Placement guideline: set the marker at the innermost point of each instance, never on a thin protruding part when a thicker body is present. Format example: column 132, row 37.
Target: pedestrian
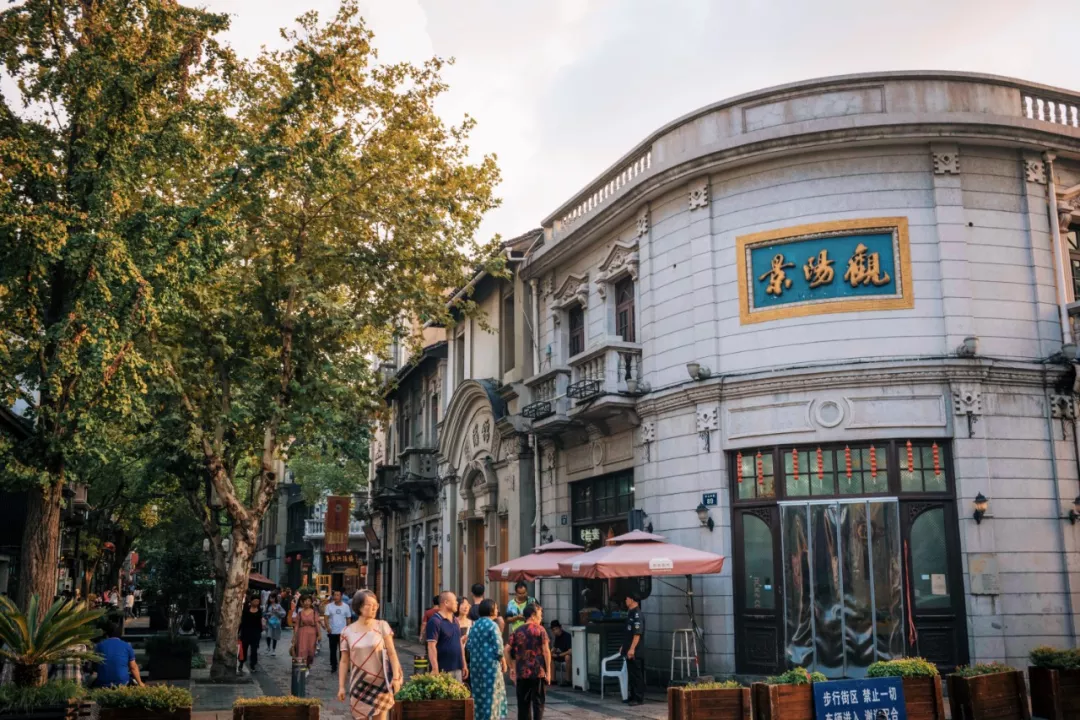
column 561, row 652
column 305, row 632
column 464, row 621
column 477, row 591
column 635, row 651
column 517, row 605
column 336, row 619
column 531, row 671
column 287, row 603
column 427, row 616
column 444, row 648
column 274, row 615
column 488, row 663
column 371, row 670
column 117, row 666
column 129, row 605
column 252, row 624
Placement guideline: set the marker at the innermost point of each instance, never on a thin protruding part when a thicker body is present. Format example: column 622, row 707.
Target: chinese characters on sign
column 868, row 699
column 844, row 266
column 341, row 558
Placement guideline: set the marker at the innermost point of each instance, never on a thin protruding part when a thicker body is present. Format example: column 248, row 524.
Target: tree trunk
column 28, row 675
column 232, row 601
column 41, row 545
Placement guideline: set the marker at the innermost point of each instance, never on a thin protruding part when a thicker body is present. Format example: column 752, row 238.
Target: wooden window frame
column 626, row 330
column 575, row 348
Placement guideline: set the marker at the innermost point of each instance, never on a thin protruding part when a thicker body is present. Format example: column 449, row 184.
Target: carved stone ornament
column 549, row 460
column 621, row 260
column 1035, row 171
column 547, row 285
column 707, row 420
column 597, row 453
column 946, row 163
column 475, row 434
column 574, row 289
column 486, row 432
column 1063, row 407
column 699, row 194
column 648, row 432
column 1067, row 210
column 967, row 400
column 642, row 225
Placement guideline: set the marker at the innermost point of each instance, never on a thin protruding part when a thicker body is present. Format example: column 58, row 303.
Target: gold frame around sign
column 905, row 301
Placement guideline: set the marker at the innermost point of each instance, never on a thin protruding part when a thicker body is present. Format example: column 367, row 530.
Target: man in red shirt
column 530, row 670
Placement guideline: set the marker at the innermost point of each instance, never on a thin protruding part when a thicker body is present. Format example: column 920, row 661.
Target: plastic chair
column 621, row 674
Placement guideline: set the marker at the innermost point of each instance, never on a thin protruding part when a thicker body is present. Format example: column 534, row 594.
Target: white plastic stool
column 621, row 674
column 683, row 652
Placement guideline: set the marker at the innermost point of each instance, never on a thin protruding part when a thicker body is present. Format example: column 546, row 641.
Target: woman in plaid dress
column 373, row 673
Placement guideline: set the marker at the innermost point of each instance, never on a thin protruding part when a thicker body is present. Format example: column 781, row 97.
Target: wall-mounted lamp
column 697, row 371
column 703, row 516
column 969, row 348
column 1074, row 514
column 981, row 504
column 545, row 535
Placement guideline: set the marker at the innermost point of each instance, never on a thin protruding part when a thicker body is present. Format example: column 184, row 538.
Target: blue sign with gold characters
column 844, row 266
column 868, row 699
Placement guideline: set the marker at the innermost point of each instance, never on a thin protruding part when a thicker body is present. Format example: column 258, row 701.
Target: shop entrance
column 843, row 592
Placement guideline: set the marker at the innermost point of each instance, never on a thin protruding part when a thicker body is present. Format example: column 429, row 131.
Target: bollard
column 299, row 677
column 420, row 666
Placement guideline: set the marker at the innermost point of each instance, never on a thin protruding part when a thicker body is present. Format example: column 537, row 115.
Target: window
column 758, row 564
column 576, row 321
column 433, row 416
column 507, row 332
column 754, row 474
column 929, row 560
column 921, row 468
column 406, row 427
column 599, row 509
column 1072, row 241
column 624, row 310
column 459, row 358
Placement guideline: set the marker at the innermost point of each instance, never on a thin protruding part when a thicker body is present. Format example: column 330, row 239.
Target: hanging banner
column 337, row 524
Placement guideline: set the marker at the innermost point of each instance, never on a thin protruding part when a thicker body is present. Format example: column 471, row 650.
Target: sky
column 561, row 89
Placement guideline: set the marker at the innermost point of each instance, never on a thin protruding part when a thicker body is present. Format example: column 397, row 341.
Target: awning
column 261, row 582
column 640, row 554
column 542, row 562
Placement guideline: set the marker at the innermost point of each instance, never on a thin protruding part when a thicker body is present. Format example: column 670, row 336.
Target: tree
column 363, row 215
column 109, row 185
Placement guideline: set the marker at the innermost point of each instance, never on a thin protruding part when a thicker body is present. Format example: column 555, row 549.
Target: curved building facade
column 807, row 328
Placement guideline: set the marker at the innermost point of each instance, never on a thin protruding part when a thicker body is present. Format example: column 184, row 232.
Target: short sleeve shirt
column 446, row 634
column 635, row 625
column 337, row 617
column 564, row 642
column 527, row 648
column 113, row 669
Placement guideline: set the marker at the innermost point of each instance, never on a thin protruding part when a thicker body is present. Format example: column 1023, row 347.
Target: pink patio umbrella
column 640, row 554
column 542, row 562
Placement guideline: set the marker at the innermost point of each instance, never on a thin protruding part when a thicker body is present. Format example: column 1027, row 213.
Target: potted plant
column 1055, row 683
column 988, row 690
column 148, row 702
column 786, row 696
column 721, row 700
column 64, row 634
column 922, row 685
column 433, row 697
column 287, row 707
column 169, row 656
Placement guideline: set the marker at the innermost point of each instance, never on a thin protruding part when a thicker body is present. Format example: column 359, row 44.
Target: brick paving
column 273, row 677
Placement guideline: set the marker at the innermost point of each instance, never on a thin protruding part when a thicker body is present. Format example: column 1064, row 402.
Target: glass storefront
column 599, row 508
column 845, row 555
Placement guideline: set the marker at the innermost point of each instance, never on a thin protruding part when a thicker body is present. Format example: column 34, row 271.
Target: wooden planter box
column 276, row 712
column 922, row 698
column 141, row 714
column 433, row 710
column 782, row 702
column 686, row 704
column 999, row 696
column 74, row 710
column 1055, row 694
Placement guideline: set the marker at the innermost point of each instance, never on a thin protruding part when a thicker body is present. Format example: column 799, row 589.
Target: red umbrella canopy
column 542, row 562
column 640, row 554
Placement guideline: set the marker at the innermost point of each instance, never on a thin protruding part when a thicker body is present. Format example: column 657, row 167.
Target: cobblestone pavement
column 273, row 677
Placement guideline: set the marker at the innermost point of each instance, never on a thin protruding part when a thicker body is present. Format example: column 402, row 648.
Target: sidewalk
column 274, row 676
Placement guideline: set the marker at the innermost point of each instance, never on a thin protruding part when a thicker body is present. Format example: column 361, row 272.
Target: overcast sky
column 563, row 88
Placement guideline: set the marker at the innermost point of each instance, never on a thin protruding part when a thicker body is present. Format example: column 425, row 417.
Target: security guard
column 635, row 651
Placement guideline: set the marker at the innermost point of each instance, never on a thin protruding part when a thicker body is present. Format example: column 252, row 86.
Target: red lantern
column 760, row 469
column 820, row 466
column 738, row 467
column 110, row 547
column 873, row 463
column 288, row 559
column 910, row 458
column 937, row 461
column 297, row 557
column 847, row 461
column 795, row 463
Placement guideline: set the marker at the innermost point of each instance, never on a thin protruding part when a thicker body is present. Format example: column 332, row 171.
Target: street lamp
column 703, row 516
column 981, row 504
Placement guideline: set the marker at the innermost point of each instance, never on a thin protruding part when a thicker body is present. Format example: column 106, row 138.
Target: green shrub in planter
column 715, row 685
column 991, row 690
column 433, row 686
column 1055, row 682
column 903, row 667
column 19, row 700
column 1050, row 658
column 281, row 701
column 922, row 685
column 968, row 671
column 727, row 700
column 795, row 676
column 158, row 698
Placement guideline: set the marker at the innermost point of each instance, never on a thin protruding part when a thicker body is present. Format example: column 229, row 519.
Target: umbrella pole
column 693, row 617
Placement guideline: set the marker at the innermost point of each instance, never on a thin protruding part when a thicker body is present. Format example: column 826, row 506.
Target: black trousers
column 531, row 694
column 251, row 651
column 635, row 676
column 335, row 650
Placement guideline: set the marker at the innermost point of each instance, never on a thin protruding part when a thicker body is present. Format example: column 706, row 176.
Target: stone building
column 808, row 328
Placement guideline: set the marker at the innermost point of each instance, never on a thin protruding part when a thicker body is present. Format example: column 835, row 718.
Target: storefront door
column 843, row 592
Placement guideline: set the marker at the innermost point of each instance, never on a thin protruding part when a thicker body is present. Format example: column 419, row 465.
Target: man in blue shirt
column 118, row 665
column 443, row 638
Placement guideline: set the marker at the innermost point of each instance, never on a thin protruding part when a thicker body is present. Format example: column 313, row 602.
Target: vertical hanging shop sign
column 337, row 524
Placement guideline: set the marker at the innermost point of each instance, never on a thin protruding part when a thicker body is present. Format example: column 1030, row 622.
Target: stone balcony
column 316, row 529
column 549, row 410
column 418, row 474
column 604, row 384
column 386, row 492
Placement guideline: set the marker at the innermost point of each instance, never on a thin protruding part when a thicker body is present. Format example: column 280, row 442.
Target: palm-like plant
column 63, row 634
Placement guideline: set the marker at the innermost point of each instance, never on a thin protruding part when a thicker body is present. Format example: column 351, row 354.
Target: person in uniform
column 633, row 650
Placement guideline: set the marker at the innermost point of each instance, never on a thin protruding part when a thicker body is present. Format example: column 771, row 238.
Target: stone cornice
column 870, row 375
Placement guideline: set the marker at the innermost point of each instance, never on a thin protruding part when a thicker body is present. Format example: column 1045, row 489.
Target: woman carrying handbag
column 372, row 674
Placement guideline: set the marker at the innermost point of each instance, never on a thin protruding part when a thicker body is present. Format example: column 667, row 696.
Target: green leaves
column 64, row 633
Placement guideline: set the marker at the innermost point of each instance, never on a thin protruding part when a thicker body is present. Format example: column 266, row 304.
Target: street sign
column 867, row 699
column 708, row 499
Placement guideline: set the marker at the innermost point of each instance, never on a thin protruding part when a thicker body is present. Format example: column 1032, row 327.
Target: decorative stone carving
column 549, row 460
column 621, row 260
column 597, row 453
column 828, row 413
column 642, row 225
column 486, row 432
column 547, row 287
column 648, row 437
column 946, row 163
column 475, row 434
column 707, row 422
column 574, row 289
column 1035, row 171
column 1066, row 210
column 967, row 400
column 699, row 194
column 1063, row 407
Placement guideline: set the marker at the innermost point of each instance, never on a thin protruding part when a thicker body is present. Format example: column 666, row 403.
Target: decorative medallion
column 597, row 453
column 1035, row 171
column 946, row 163
column 967, row 400
column 642, row 224
column 828, row 413
column 699, row 194
column 1063, row 407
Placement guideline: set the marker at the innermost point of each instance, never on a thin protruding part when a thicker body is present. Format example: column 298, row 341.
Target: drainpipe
column 537, row 479
column 1060, row 263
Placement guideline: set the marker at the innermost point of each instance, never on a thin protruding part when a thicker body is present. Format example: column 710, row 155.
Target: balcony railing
column 609, row 369
column 316, row 529
column 548, row 393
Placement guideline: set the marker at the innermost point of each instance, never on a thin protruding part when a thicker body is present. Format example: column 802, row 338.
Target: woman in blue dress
column 487, row 664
